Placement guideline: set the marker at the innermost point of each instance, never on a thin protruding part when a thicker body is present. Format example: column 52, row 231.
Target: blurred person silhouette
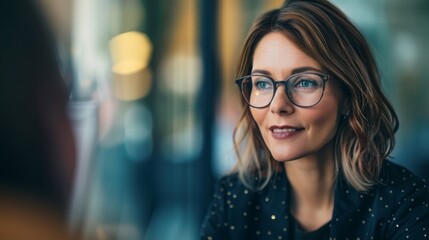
column 37, row 148
column 315, row 137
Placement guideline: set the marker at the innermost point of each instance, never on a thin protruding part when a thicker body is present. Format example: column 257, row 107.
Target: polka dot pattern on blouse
column 395, row 208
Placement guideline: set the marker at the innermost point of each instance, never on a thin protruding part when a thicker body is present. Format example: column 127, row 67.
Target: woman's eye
column 263, row 84
column 306, row 84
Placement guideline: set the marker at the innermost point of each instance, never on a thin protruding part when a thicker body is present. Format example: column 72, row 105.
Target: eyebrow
column 305, row 69
column 294, row 71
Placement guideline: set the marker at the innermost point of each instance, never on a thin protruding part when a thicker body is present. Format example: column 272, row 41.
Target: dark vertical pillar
column 208, row 95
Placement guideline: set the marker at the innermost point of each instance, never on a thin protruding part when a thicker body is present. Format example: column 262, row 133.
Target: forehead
column 278, row 54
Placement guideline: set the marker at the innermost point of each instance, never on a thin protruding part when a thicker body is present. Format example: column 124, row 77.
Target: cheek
column 326, row 113
column 258, row 115
column 324, row 120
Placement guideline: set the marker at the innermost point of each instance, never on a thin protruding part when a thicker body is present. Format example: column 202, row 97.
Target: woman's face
column 292, row 132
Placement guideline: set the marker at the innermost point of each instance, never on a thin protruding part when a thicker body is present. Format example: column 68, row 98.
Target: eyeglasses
column 303, row 89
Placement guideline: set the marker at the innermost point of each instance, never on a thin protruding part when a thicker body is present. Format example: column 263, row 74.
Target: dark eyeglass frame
column 325, row 77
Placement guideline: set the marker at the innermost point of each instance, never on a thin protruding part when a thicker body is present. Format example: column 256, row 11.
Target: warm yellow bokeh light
column 131, row 52
column 128, row 67
column 133, row 86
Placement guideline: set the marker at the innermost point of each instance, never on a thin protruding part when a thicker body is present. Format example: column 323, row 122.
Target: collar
column 346, row 200
column 346, row 197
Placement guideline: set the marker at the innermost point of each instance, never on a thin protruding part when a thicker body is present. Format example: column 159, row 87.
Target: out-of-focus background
column 153, row 102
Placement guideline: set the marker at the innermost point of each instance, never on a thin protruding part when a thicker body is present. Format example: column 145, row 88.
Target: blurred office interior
column 153, row 101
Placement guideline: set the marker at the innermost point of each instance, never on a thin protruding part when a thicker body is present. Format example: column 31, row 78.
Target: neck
column 312, row 179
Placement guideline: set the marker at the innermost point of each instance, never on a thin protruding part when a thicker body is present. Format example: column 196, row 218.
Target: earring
column 346, row 115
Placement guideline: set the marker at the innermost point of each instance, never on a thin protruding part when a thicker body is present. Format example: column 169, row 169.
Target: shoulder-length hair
column 366, row 136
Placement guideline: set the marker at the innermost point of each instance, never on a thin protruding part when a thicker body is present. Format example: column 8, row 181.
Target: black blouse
column 395, row 208
column 298, row 234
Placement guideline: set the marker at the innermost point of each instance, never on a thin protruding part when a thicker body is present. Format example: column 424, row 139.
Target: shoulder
column 229, row 198
column 238, row 198
column 229, row 180
column 237, row 208
column 399, row 185
column 405, row 197
column 233, row 186
column 400, row 180
column 230, row 187
column 396, row 207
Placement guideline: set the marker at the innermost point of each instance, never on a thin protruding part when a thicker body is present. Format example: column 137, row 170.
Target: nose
column 281, row 103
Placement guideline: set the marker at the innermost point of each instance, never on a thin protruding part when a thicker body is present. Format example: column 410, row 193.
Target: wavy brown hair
column 366, row 136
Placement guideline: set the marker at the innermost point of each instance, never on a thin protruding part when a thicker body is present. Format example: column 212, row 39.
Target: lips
column 284, row 132
column 284, row 128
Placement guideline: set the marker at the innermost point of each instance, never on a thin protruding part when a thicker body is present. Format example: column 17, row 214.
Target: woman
column 314, row 137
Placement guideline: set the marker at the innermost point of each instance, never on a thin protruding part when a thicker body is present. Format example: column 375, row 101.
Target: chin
column 282, row 157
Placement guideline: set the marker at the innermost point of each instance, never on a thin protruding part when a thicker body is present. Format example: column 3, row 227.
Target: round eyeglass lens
column 305, row 89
